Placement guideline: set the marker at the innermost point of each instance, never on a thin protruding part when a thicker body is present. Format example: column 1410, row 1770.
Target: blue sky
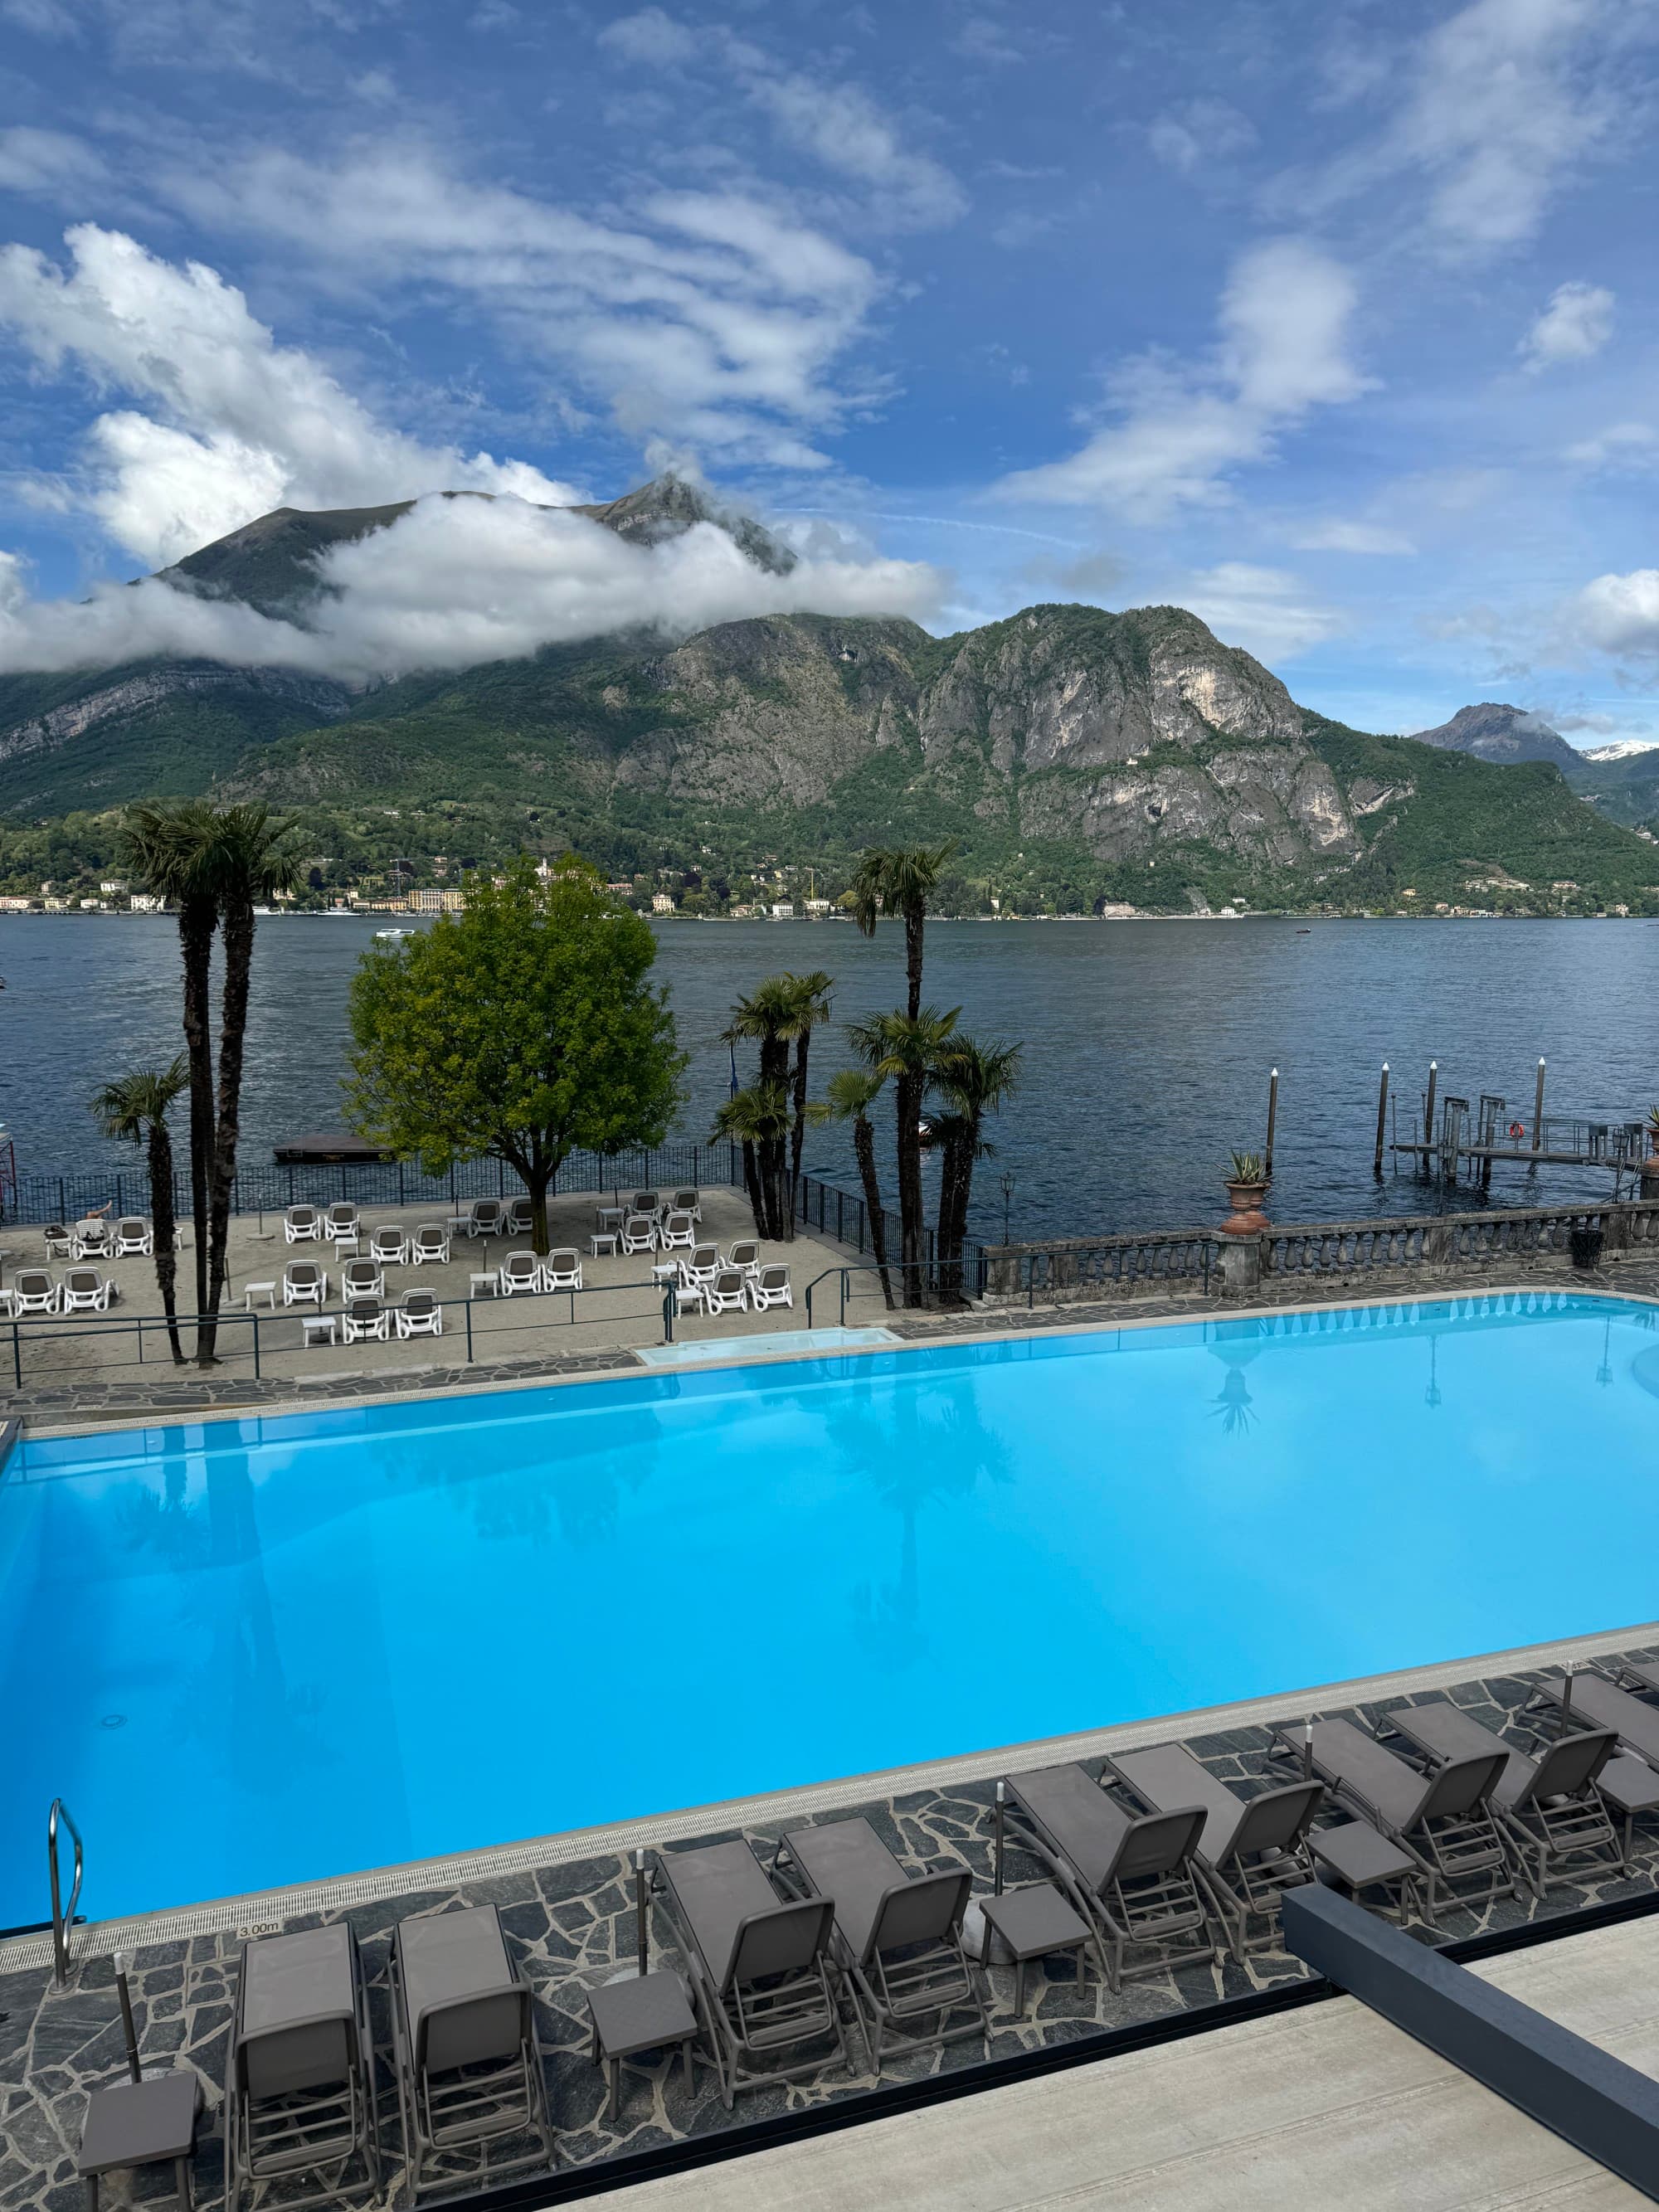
column 1335, row 323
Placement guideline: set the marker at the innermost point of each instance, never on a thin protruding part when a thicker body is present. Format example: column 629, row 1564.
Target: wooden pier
column 1464, row 1142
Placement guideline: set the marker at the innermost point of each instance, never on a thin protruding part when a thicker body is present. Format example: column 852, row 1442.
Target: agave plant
column 1248, row 1168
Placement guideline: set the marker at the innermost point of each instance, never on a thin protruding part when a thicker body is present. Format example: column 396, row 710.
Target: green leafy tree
column 905, row 1051
column 134, row 1109
column 972, row 1080
column 849, row 1095
column 215, row 863
column 522, row 1028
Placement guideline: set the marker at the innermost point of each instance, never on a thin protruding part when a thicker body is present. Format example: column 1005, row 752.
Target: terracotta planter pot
column 1247, row 1218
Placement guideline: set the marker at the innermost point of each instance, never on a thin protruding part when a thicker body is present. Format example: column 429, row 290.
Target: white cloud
column 1266, row 611
column 1617, row 614
column 982, row 39
column 240, row 424
column 652, row 39
column 1577, row 323
column 1199, row 132
column 712, row 318
column 1335, row 535
column 1623, row 444
column 33, row 160
column 1283, row 351
column 452, row 583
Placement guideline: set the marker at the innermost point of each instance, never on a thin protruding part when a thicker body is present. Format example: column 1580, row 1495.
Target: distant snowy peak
column 1621, row 749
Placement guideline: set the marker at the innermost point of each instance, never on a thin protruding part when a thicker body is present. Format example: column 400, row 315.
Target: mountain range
column 1077, row 756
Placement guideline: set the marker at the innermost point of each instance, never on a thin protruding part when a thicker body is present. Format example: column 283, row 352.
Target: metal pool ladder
column 62, row 1923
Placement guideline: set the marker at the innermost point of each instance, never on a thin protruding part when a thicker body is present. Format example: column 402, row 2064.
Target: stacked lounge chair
column 1549, row 1807
column 300, row 2074
column 897, row 1936
column 763, row 1973
column 1443, row 1820
column 1131, row 1877
column 1594, row 1699
column 1250, row 1851
column 470, row 2085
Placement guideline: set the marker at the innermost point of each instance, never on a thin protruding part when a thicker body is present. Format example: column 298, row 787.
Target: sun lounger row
column 36, row 1290
column 95, row 1238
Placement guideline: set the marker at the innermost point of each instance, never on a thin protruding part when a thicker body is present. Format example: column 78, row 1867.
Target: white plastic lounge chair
column 304, row 1283
column 520, row 1270
column 60, row 1242
column 769, row 1286
column 562, row 1271
column 94, row 1239
column 744, row 1256
column 388, row 1247
column 700, row 1267
column 647, row 1201
column 133, row 1238
column 364, row 1322
column 34, row 1291
column 85, row 1291
column 341, row 1219
column 686, row 1202
column 302, row 1225
column 638, row 1233
column 420, row 1315
column 488, row 1218
column 678, row 1232
column 431, row 1245
column 726, row 1294
column 361, row 1279
column 520, row 1217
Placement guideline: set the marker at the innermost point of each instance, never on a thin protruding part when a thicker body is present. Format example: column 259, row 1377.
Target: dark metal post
column 1566, row 1699
column 668, row 1315
column 1382, row 1122
column 1007, row 1200
column 255, row 1318
column 1538, row 1110
column 997, row 1819
column 469, row 1332
column 1307, row 1751
column 1428, row 1117
column 1273, row 1120
column 127, row 2028
column 642, row 1937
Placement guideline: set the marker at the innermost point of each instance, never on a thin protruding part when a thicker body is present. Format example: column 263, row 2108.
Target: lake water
column 1147, row 1044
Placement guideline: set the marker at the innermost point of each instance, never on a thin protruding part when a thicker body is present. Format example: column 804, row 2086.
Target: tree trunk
column 233, row 1035
column 964, row 1198
column 914, row 916
column 909, row 1090
column 197, row 920
column 775, row 1169
column 539, row 1175
column 160, row 1212
column 952, row 1174
column 751, row 1183
column 797, row 1134
column 864, row 1147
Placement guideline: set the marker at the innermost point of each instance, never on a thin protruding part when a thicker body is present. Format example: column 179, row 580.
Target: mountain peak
column 1493, row 731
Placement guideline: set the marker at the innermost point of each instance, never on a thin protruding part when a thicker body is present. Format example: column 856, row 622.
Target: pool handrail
column 62, row 1923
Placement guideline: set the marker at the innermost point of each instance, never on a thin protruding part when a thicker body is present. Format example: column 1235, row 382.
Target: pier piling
column 1381, row 1121
column 1273, row 1118
column 1428, row 1118
column 1538, row 1110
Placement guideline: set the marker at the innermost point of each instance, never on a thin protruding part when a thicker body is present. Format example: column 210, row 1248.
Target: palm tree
column 973, row 1080
column 134, row 1108
column 757, row 1121
column 850, row 1095
column 906, row 1049
column 812, row 1007
column 215, row 864
column 899, row 880
column 781, row 1011
column 161, row 844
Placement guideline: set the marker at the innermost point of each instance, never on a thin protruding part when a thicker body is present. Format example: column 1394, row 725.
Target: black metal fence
column 269, row 1189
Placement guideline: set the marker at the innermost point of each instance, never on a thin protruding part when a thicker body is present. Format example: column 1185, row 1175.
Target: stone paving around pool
column 573, row 1925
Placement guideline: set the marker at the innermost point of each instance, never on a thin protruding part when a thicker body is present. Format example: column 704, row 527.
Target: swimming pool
column 260, row 1651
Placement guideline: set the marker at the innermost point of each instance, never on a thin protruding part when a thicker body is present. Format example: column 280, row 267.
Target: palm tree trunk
column 964, row 1197
column 864, row 1147
column 233, row 1033
column 908, row 1091
column 197, row 919
column 953, row 1175
column 160, row 1213
column 751, row 1183
column 914, row 917
column 797, row 1134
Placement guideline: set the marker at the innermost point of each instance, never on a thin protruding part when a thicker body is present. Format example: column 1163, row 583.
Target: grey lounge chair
column 1633, row 1674
column 1251, row 1850
column 1550, row 1806
column 1595, row 1702
column 469, row 2064
column 761, row 1968
column 1444, row 1820
column 300, row 2075
column 1130, row 1875
column 898, row 1935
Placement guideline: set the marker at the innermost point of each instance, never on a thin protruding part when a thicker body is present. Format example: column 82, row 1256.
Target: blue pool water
column 255, row 1652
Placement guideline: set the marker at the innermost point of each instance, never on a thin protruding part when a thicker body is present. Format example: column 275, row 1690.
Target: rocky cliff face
column 1493, row 732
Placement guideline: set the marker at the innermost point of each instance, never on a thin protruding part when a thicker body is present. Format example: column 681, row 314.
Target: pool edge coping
column 264, row 1910
column 194, row 1416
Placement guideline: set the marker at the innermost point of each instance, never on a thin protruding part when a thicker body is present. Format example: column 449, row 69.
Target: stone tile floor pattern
column 573, row 1925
